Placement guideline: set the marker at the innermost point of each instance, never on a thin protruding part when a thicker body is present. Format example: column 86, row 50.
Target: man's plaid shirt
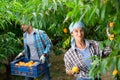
column 41, row 42
column 73, row 58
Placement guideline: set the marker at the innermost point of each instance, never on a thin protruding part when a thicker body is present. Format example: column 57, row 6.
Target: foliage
column 55, row 15
column 8, row 46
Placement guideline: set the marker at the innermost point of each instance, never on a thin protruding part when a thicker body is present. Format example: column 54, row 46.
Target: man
column 37, row 46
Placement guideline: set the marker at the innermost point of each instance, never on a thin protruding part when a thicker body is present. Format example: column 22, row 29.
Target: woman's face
column 78, row 34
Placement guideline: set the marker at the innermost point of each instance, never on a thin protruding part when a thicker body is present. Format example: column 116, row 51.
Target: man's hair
column 26, row 20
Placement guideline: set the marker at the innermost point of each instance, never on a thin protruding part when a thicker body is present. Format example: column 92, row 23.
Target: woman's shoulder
column 69, row 51
column 93, row 42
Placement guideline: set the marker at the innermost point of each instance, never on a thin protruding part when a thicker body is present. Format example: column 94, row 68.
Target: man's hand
column 42, row 59
column 19, row 55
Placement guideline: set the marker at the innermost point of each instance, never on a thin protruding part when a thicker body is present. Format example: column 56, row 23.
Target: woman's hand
column 69, row 72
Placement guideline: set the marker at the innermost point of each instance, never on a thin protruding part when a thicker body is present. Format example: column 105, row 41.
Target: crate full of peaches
column 28, row 68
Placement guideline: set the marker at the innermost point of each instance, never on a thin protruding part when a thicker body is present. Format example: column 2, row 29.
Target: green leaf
column 101, row 45
column 66, row 42
column 118, row 64
column 70, row 4
column 92, row 13
column 82, row 16
column 113, row 61
column 103, row 13
column 107, row 42
column 58, row 52
column 103, row 65
column 3, row 56
column 69, row 14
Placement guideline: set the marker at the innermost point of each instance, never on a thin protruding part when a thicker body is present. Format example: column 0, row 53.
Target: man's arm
column 47, row 43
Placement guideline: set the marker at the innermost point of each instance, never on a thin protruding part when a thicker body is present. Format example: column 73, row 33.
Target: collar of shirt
column 34, row 31
column 86, row 42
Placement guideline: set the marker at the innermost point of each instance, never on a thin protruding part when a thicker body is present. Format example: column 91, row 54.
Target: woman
column 81, row 51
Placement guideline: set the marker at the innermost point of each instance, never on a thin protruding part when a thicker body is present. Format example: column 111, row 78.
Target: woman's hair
column 78, row 24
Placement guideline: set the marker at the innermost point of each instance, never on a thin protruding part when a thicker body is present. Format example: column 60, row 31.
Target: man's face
column 78, row 34
column 25, row 27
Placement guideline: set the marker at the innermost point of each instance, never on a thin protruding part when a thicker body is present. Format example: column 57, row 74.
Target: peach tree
column 54, row 16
